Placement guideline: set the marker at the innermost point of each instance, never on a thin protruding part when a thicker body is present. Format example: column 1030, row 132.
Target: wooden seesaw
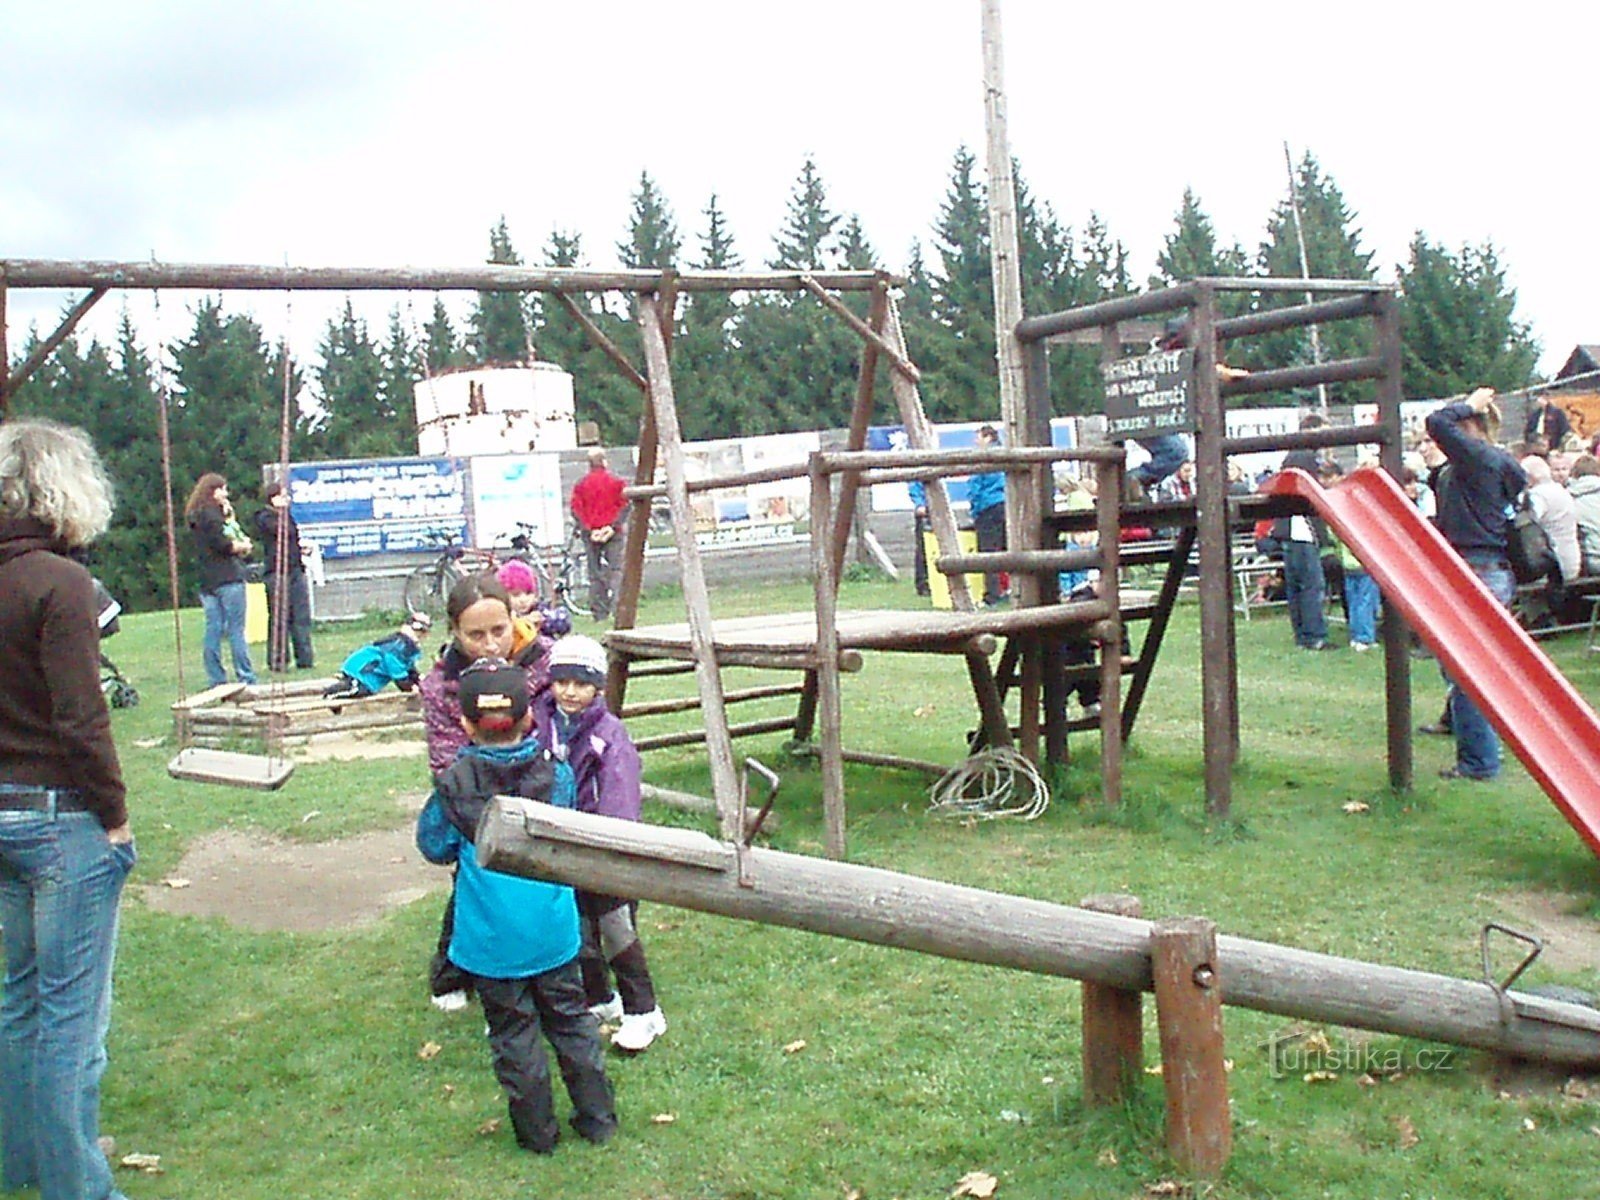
column 1191, row 969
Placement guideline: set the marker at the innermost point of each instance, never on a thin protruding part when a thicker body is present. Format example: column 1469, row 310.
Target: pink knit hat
column 516, row 576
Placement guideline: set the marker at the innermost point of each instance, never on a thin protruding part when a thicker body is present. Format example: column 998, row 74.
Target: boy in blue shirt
column 377, row 664
column 517, row 939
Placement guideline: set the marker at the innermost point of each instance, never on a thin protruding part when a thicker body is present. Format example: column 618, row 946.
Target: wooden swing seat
column 230, row 768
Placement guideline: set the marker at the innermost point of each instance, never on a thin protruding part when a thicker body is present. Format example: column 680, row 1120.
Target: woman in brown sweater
column 65, row 845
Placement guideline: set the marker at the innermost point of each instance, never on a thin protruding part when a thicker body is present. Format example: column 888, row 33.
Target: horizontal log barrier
column 691, row 737
column 689, row 802
column 1297, row 315
column 47, row 273
column 962, row 461
column 1307, row 439
column 958, row 626
column 654, row 667
column 727, row 656
column 654, row 708
column 868, row 758
column 1019, row 562
column 1345, row 370
column 868, row 904
column 651, row 491
column 1123, row 308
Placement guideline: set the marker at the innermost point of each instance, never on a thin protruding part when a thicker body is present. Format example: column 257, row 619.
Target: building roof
column 1583, row 360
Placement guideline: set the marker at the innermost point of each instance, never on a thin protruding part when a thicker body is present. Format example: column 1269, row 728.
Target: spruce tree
column 704, row 364
column 1458, row 323
column 441, row 351
column 499, row 322
column 807, row 234
column 1333, row 251
column 652, row 233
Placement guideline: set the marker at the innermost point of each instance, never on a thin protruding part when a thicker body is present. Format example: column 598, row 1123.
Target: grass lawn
column 283, row 1065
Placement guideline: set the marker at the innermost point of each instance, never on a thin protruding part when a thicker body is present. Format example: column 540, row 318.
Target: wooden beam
column 829, row 708
column 697, row 602
column 860, row 422
column 866, row 332
column 47, row 347
column 869, row 904
column 653, row 708
column 485, row 277
column 605, row 345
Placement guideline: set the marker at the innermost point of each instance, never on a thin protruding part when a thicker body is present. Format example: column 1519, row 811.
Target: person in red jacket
column 598, row 504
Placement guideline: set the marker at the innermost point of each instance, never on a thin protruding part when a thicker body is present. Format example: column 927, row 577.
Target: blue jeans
column 1302, row 588
column 224, row 609
column 1477, row 744
column 1361, row 595
column 1168, row 452
column 60, row 882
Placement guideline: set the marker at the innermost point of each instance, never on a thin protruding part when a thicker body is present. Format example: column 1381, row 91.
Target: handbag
column 1528, row 546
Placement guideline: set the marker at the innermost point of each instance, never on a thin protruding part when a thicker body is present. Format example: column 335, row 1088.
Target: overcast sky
column 367, row 133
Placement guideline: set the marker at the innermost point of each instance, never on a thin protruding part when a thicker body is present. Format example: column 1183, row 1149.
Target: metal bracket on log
column 888, row 908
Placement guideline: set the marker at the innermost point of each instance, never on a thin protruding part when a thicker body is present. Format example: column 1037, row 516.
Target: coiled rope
column 994, row 783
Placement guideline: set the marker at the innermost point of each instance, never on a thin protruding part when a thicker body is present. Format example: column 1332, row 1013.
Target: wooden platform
column 793, row 636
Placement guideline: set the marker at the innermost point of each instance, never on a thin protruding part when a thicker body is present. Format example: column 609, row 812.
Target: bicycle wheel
column 572, row 584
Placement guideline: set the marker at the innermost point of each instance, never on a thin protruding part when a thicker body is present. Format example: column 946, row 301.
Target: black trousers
column 518, row 1012
column 990, row 526
column 444, row 976
column 298, row 621
column 919, row 561
column 611, row 947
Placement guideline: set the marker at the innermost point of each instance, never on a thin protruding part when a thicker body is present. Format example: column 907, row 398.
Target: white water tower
column 495, row 410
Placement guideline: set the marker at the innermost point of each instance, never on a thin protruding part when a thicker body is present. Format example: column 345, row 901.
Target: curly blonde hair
column 51, row 473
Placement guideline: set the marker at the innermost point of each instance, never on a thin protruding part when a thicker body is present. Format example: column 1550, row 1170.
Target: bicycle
column 564, row 573
column 427, row 589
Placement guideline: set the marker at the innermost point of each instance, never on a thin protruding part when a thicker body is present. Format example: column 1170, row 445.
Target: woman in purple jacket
column 573, row 720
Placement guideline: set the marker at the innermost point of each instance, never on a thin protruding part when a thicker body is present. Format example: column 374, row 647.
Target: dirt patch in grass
column 261, row 883
column 1571, row 937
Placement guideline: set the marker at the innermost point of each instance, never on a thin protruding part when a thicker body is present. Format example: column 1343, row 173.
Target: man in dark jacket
column 1478, row 495
column 288, row 593
column 1547, row 421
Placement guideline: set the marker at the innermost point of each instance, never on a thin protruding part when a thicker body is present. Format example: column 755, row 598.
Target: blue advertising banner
column 379, row 507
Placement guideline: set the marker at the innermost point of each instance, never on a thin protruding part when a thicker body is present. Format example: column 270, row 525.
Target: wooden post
column 860, row 420
column 826, row 676
column 1396, row 637
column 1024, row 511
column 1113, row 1022
column 920, row 434
column 1108, row 510
column 708, row 675
column 1216, row 562
column 1022, row 514
column 1183, row 965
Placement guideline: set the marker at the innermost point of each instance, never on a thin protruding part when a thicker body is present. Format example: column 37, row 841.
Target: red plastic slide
column 1541, row 716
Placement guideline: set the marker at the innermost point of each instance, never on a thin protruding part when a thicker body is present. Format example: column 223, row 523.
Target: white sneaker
column 450, row 1001
column 609, row 1011
column 639, row 1030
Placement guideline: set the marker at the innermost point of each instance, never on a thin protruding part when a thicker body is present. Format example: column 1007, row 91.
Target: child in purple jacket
column 573, row 720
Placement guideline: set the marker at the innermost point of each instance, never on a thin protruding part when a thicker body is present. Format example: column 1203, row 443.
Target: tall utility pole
column 1023, row 503
column 1305, row 270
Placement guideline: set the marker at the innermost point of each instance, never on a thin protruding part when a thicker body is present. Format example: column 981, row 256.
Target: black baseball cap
column 494, row 694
